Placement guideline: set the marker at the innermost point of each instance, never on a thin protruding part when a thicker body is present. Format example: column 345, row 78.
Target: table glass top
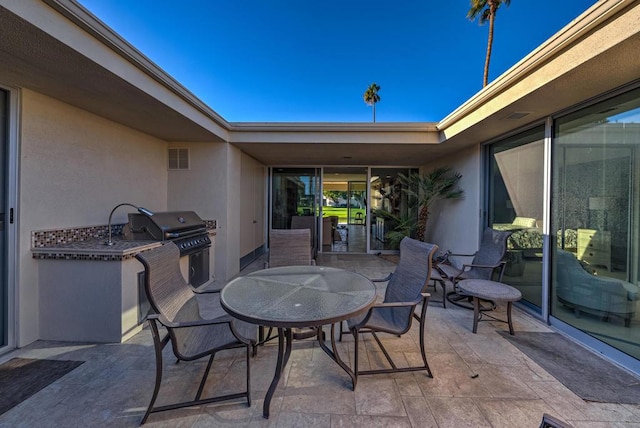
column 298, row 296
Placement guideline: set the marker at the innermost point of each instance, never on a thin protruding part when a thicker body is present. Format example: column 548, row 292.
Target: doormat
column 20, row 378
column 588, row 375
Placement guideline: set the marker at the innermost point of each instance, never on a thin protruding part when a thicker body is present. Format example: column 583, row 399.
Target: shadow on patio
column 479, row 380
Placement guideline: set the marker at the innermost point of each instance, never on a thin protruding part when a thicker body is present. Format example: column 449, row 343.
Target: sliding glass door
column 294, row 195
column 4, row 290
column 344, row 212
column 596, row 213
column 516, row 191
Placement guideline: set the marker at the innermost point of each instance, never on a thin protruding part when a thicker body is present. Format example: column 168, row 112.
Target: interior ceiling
column 30, row 58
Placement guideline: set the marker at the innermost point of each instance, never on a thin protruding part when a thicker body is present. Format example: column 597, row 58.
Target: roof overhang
column 594, row 54
column 337, row 143
column 59, row 49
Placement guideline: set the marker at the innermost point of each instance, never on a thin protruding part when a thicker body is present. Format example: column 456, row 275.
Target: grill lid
column 165, row 225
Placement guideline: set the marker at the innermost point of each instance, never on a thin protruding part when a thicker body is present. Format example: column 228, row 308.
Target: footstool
column 489, row 290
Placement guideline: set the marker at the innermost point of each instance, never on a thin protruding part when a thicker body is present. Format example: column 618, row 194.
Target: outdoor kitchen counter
column 91, row 292
column 94, row 249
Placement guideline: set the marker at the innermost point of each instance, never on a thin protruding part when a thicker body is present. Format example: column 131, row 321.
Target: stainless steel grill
column 185, row 228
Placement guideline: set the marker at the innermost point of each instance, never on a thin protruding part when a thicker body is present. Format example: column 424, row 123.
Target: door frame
column 11, row 222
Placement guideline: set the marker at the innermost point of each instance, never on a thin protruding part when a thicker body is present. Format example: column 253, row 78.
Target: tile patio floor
column 114, row 385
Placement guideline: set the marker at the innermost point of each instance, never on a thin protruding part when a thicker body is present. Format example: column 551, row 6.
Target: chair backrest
column 492, row 249
column 306, row 222
column 412, row 275
column 289, row 247
column 166, row 288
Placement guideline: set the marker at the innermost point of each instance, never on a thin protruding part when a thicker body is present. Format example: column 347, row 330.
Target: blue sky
column 311, row 61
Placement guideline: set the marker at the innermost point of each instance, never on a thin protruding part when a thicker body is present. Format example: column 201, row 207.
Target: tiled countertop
column 94, row 249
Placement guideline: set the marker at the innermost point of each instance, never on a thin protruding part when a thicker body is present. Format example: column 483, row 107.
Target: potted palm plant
column 423, row 190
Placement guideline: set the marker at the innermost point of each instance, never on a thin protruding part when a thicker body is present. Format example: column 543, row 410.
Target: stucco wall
column 234, row 190
column 202, row 188
column 455, row 224
column 74, row 168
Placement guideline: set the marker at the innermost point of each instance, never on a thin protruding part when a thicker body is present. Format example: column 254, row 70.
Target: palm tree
column 425, row 189
column 371, row 97
column 486, row 10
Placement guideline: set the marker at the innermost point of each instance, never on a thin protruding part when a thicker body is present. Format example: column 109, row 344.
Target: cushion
column 524, row 222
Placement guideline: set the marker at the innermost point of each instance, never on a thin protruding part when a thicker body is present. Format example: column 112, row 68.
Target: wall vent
column 517, row 115
column 178, row 158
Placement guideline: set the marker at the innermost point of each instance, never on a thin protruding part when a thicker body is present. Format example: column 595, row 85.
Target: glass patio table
column 298, row 297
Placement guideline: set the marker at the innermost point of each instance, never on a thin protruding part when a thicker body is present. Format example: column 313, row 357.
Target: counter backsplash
column 53, row 237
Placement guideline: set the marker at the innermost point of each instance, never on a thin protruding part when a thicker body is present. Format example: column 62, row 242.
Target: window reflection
column 595, row 212
column 516, row 204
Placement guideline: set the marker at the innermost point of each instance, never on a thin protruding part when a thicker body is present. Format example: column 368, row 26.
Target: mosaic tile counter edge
column 87, row 243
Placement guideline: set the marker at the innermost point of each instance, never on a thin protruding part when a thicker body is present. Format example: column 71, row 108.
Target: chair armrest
column 387, row 278
column 396, row 304
column 465, row 266
column 183, row 324
column 207, row 287
column 462, row 255
column 206, row 291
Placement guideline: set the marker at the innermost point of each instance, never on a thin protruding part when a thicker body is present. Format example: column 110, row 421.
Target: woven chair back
column 289, row 247
column 411, row 277
column 492, row 250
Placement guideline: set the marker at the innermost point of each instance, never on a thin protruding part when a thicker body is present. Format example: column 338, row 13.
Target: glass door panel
column 596, row 213
column 293, row 199
column 390, row 207
column 516, row 189
column 356, row 205
column 344, row 198
column 4, row 290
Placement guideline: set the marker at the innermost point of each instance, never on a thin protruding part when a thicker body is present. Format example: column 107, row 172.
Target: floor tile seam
column 558, row 408
column 478, row 408
column 486, row 414
column 404, row 404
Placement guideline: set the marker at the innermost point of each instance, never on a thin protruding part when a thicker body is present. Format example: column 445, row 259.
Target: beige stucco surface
column 454, row 224
column 74, row 168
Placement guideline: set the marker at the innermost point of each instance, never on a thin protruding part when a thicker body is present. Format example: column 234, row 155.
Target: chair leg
column 204, row 377
column 509, row 319
column 476, row 313
column 423, row 314
column 356, row 336
column 249, row 373
column 157, row 346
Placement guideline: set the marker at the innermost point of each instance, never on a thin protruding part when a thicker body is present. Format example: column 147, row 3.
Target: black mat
column 20, row 378
column 589, row 376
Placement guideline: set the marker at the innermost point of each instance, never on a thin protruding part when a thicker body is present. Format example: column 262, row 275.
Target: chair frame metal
column 362, row 328
column 157, row 320
column 459, row 273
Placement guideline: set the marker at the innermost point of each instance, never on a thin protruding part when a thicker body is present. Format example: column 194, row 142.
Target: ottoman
column 489, row 290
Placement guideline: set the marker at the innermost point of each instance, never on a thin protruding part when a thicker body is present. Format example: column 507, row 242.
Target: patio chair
column 485, row 262
column 405, row 290
column 290, row 247
column 176, row 307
